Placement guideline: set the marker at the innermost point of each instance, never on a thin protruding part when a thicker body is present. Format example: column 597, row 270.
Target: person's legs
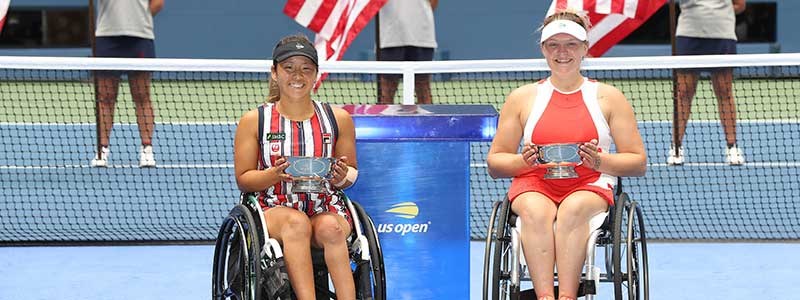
column 145, row 117
column 572, row 235
column 292, row 229
column 422, row 82
column 388, row 82
column 330, row 232
column 106, row 97
column 686, row 88
column 422, row 87
column 537, row 214
column 722, row 82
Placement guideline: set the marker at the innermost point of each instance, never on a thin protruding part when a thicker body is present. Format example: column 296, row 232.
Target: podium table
column 413, row 163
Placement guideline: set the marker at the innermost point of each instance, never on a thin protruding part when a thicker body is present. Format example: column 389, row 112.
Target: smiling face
column 564, row 53
column 295, row 76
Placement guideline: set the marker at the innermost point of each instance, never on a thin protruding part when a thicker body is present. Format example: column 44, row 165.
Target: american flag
column 612, row 20
column 336, row 22
column 3, row 11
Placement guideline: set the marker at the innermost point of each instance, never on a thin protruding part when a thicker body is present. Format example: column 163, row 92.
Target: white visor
column 563, row 26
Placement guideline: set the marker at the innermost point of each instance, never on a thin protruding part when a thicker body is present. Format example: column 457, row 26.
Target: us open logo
column 404, row 210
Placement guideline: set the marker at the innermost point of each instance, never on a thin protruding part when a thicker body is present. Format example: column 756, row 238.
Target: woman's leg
column 687, row 86
column 722, row 83
column 145, row 116
column 537, row 213
column 330, row 232
column 572, row 236
column 292, row 229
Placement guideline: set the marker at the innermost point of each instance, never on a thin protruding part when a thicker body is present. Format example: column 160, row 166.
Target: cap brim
column 563, row 26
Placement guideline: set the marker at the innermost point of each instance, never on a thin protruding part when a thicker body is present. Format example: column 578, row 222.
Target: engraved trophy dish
column 310, row 173
column 560, row 160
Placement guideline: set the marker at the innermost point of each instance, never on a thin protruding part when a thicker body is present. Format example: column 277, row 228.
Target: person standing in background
column 707, row 27
column 407, row 33
column 125, row 29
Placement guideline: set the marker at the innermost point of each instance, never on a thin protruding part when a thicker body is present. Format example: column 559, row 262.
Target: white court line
column 172, row 166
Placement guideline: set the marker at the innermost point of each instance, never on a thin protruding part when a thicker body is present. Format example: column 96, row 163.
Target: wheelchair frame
column 622, row 234
column 257, row 253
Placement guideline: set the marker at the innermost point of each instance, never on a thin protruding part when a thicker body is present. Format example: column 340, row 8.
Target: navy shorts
column 125, row 47
column 703, row 46
column 406, row 53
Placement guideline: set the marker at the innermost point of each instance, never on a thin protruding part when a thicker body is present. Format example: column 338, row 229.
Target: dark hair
column 288, row 46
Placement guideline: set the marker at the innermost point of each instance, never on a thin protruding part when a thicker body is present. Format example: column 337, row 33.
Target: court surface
column 678, row 271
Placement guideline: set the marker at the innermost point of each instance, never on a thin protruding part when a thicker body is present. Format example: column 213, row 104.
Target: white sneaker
column 734, row 156
column 675, row 159
column 101, row 161
column 146, row 157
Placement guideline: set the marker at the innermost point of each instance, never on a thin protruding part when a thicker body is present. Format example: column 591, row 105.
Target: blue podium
column 413, row 180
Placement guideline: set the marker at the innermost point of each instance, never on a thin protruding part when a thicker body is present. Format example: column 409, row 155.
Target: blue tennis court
column 730, row 271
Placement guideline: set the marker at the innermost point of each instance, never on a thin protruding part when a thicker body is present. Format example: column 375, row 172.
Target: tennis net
column 51, row 194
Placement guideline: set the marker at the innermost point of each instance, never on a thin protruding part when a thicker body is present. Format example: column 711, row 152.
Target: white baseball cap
column 563, row 26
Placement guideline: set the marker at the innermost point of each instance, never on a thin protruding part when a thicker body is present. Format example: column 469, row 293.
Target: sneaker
column 146, row 157
column 675, row 158
column 734, row 156
column 102, row 160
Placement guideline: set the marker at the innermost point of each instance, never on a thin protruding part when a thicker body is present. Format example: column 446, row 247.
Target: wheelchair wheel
column 498, row 240
column 369, row 275
column 630, row 271
column 236, row 270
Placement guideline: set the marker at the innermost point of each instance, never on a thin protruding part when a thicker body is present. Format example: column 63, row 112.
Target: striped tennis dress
column 280, row 137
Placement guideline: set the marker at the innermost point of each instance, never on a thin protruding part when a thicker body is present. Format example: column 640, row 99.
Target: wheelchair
column 249, row 265
column 620, row 231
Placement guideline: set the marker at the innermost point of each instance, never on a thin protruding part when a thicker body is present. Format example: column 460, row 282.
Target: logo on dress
column 326, row 138
column 275, row 148
column 275, row 136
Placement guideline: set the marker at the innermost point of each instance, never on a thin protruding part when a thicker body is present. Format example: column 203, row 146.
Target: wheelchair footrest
column 584, row 288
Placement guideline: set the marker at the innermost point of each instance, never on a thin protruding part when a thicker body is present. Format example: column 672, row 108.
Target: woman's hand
column 590, row 155
column 339, row 171
column 279, row 169
column 530, row 154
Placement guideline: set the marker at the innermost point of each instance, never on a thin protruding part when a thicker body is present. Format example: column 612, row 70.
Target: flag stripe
column 321, row 17
column 292, row 7
column 307, row 12
column 3, row 11
column 603, row 7
column 630, row 8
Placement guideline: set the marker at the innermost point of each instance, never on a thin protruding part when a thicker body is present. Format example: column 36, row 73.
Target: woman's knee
column 328, row 230
column 579, row 208
column 296, row 226
column 535, row 213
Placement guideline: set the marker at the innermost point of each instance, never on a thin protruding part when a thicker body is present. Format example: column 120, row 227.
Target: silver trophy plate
column 561, row 160
column 309, row 174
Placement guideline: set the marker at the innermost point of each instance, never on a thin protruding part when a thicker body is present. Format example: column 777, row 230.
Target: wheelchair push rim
column 629, row 257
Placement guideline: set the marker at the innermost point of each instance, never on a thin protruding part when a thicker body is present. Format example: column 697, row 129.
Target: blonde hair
column 569, row 15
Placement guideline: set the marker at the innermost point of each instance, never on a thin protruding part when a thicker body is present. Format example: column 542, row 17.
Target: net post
column 408, row 86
